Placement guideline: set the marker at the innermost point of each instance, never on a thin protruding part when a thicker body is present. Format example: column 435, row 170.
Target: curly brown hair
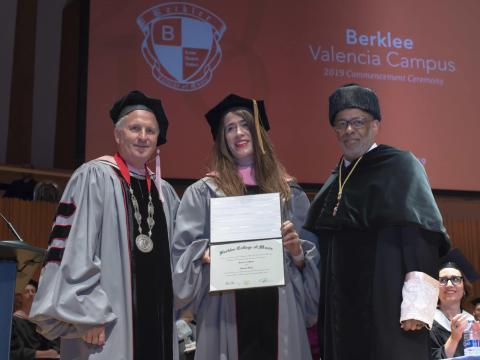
column 270, row 174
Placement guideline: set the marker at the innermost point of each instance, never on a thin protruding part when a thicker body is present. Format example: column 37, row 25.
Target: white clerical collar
column 347, row 163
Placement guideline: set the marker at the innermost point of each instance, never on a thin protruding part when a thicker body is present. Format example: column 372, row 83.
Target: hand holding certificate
column 246, row 247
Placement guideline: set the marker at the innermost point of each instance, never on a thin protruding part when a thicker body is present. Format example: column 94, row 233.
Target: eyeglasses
column 455, row 280
column 357, row 123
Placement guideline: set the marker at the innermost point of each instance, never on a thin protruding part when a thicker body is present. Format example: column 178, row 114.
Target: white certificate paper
column 249, row 217
column 246, row 248
column 246, row 264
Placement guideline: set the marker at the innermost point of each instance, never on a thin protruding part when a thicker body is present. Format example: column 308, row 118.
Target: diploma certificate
column 246, row 247
column 246, row 264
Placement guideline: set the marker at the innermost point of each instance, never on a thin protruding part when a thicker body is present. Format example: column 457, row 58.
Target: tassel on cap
column 257, row 125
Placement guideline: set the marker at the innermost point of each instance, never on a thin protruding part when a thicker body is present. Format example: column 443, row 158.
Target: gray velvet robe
column 215, row 313
column 92, row 283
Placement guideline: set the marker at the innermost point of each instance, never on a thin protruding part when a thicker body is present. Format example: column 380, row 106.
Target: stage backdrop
column 421, row 58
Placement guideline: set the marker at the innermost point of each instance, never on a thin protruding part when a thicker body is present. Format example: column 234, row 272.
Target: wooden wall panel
column 31, row 219
column 19, row 142
column 465, row 235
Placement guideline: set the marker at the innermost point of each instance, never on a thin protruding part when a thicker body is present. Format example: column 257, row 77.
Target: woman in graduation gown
column 450, row 319
column 261, row 323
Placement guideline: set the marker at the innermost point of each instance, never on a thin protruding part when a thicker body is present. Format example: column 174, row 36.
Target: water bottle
column 471, row 338
column 185, row 333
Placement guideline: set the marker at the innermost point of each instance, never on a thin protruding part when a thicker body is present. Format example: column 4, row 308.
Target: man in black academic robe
column 380, row 237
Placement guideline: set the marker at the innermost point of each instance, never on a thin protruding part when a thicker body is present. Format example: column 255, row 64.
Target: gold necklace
column 342, row 185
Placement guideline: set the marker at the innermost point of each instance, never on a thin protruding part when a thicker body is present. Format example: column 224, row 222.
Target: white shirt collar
column 347, row 163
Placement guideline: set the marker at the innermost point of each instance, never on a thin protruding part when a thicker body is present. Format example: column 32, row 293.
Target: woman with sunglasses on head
column 450, row 319
column 266, row 323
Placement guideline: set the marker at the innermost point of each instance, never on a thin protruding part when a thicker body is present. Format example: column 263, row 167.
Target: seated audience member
column 46, row 191
column 476, row 308
column 450, row 319
column 26, row 343
column 17, row 302
column 21, row 188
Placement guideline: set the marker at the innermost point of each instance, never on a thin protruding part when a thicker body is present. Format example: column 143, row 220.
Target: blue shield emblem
column 181, row 44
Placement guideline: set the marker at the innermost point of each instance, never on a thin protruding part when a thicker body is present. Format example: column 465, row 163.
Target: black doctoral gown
column 386, row 226
column 439, row 335
column 25, row 341
column 152, row 294
column 257, row 318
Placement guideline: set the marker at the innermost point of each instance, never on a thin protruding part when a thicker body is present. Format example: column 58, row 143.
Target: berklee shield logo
column 181, row 44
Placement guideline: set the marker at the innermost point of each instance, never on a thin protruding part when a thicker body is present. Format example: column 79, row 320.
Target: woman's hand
column 206, row 257
column 47, row 354
column 458, row 325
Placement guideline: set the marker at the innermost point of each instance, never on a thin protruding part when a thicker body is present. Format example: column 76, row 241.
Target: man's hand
column 290, row 238
column 412, row 325
column 291, row 241
column 95, row 335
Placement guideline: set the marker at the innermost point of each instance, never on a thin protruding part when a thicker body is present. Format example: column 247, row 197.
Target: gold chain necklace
column 342, row 185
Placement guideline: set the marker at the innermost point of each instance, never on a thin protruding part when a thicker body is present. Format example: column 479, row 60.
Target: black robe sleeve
column 420, row 250
column 23, row 342
column 438, row 337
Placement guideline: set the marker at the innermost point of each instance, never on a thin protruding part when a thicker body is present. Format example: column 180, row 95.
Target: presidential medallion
column 144, row 243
